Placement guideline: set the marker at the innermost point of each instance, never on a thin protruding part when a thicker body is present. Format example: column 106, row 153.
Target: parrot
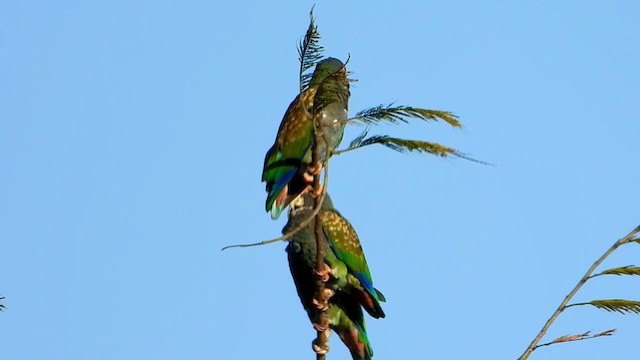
column 287, row 169
column 349, row 275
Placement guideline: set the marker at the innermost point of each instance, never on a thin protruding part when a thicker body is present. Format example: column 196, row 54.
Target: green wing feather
column 345, row 243
column 291, row 148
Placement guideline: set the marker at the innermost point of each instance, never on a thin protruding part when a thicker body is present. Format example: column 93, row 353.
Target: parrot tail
column 355, row 338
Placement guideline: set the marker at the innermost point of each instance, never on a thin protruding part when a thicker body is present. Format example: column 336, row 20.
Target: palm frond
column 309, row 52
column 358, row 139
column 635, row 237
column 396, row 114
column 1, row 305
column 624, row 270
column 616, row 305
column 405, row 145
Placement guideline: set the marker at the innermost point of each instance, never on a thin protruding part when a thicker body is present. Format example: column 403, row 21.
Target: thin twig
column 304, row 223
column 340, row 152
column 577, row 304
column 628, row 238
column 289, row 234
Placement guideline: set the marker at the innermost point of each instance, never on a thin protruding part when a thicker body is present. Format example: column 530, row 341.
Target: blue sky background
column 132, row 138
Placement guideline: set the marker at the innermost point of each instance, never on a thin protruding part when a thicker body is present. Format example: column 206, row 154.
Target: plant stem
column 340, row 152
column 289, row 234
column 322, row 300
column 628, row 238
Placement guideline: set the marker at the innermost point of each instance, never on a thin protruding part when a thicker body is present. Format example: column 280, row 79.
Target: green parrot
column 287, row 170
column 349, row 278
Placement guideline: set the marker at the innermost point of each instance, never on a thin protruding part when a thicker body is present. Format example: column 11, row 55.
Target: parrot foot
column 315, row 169
column 321, row 305
column 319, row 327
column 328, row 293
column 320, row 350
column 324, row 273
column 322, row 302
column 308, row 178
column 311, row 172
column 314, row 192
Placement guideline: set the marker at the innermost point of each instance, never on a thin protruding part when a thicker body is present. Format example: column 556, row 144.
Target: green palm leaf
column 396, row 114
column 624, row 270
column 405, row 145
column 309, row 52
column 614, row 305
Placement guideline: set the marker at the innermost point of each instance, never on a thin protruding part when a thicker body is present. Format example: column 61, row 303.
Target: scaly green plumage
column 350, row 276
column 287, row 160
column 289, row 153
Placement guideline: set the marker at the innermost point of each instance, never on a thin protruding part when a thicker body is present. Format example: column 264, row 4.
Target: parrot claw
column 324, row 273
column 319, row 327
column 321, row 305
column 320, row 350
column 315, row 169
column 308, row 178
column 311, row 172
column 328, row 293
column 315, row 192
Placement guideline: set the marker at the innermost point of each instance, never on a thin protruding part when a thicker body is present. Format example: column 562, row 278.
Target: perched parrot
column 349, row 278
column 287, row 170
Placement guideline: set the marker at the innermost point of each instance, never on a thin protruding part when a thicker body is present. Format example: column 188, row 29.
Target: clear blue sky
column 132, row 138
